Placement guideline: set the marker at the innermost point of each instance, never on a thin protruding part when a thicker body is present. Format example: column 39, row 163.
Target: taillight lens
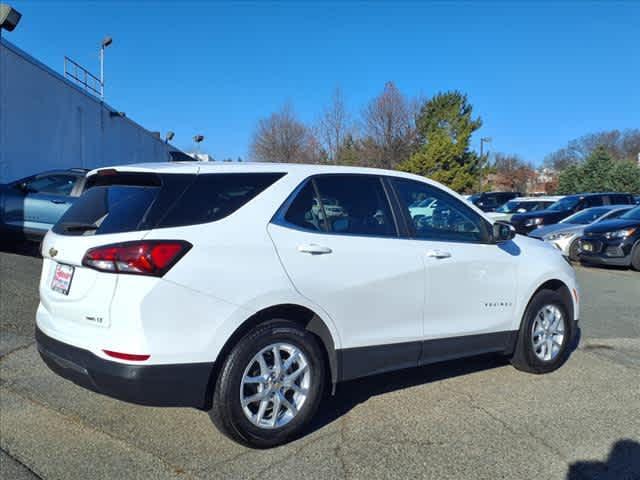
column 152, row 257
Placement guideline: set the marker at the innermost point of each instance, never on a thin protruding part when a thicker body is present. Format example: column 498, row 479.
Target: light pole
column 483, row 140
column 106, row 41
column 198, row 140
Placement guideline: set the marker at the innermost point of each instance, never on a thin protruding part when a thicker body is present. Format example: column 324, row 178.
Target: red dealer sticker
column 62, row 279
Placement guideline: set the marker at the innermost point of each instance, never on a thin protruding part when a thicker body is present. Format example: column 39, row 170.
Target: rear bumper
column 179, row 385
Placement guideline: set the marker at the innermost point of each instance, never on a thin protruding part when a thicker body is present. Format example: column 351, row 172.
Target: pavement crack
column 17, row 460
column 78, row 421
column 338, row 449
column 476, row 405
column 17, row 349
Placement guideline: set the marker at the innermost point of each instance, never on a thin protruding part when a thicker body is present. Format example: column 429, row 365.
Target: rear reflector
column 127, row 356
column 152, row 257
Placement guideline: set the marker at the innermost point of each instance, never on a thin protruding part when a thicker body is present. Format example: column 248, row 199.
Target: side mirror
column 503, row 232
column 23, row 187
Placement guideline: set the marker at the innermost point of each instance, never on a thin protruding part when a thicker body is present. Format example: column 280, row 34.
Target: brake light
column 152, row 257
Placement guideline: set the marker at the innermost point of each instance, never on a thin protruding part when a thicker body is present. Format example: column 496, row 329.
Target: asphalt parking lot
column 477, row 418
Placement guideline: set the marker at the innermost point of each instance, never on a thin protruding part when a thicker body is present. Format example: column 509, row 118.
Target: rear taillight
column 152, row 257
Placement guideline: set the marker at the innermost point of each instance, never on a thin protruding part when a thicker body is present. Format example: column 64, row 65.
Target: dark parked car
column 489, row 201
column 613, row 242
column 31, row 206
column 526, row 222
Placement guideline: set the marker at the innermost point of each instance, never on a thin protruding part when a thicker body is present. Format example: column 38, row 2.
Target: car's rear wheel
column 545, row 335
column 635, row 256
column 270, row 385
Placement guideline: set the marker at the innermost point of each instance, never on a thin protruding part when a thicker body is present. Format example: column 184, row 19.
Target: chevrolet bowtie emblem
column 53, row 252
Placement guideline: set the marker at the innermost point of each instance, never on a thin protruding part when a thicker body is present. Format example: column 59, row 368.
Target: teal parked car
column 29, row 207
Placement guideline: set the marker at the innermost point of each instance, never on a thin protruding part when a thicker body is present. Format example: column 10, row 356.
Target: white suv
column 225, row 288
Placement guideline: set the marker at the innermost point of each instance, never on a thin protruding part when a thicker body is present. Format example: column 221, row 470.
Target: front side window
column 566, row 203
column 447, row 219
column 304, row 211
column 58, row 184
column 343, row 204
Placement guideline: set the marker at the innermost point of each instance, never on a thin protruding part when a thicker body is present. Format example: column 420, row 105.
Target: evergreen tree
column 445, row 126
column 600, row 173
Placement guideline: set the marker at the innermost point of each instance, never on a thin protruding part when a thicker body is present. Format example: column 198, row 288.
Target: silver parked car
column 564, row 235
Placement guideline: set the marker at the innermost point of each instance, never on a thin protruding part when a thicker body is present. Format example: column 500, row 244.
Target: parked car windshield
column 633, row 214
column 585, row 217
column 516, row 206
column 566, row 203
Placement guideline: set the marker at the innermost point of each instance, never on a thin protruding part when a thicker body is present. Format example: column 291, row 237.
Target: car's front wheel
column 270, row 385
column 546, row 332
column 635, row 256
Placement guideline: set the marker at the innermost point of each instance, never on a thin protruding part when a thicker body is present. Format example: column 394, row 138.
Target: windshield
column 520, row 206
column 566, row 203
column 633, row 214
column 585, row 217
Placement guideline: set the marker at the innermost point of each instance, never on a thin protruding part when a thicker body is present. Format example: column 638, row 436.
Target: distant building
column 48, row 122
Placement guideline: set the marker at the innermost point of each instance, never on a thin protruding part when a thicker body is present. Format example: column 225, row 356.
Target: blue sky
column 538, row 73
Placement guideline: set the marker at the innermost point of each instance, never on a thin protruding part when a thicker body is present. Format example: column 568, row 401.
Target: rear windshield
column 131, row 202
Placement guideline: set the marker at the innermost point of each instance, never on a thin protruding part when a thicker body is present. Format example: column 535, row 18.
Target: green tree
column 599, row 173
column 569, row 180
column 444, row 127
column 625, row 177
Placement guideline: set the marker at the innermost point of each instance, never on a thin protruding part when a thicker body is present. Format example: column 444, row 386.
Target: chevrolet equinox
column 235, row 289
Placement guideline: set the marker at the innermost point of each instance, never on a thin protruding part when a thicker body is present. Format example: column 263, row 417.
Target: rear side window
column 343, row 204
column 56, row 184
column 620, row 199
column 126, row 202
column 215, row 196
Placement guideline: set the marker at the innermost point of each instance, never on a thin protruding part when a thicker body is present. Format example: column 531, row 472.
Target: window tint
column 594, row 201
column 112, row 209
column 355, row 205
column 58, row 184
column 446, row 219
column 304, row 211
column 348, row 204
column 215, row 196
column 620, row 199
column 126, row 202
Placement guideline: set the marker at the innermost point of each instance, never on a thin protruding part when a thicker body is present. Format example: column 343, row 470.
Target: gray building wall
column 48, row 122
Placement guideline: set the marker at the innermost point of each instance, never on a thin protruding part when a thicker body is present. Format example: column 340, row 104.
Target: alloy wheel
column 275, row 385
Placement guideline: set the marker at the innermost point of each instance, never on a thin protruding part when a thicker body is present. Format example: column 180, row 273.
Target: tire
column 528, row 358
column 229, row 414
column 574, row 251
column 635, row 256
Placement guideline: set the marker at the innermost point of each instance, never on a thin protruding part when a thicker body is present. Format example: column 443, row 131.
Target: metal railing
column 83, row 77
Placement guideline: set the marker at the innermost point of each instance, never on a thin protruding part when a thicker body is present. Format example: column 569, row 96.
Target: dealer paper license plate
column 62, row 277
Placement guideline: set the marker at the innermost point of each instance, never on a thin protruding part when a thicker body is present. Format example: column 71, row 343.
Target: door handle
column 58, row 202
column 313, row 249
column 438, row 254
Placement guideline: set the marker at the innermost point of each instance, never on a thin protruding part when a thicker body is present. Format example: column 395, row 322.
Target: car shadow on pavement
column 622, row 463
column 349, row 394
column 27, row 248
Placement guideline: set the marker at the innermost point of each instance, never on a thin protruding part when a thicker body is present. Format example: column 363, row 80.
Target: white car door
column 472, row 282
column 354, row 266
